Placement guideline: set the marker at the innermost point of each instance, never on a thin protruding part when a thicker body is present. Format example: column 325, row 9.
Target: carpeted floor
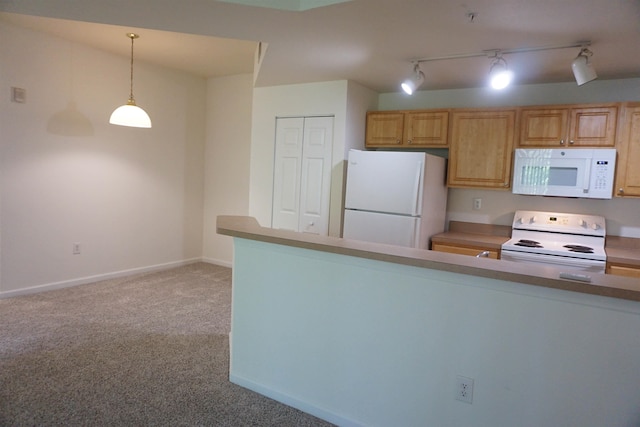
column 146, row 350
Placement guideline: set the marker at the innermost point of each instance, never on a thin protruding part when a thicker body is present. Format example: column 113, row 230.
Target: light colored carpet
column 150, row 349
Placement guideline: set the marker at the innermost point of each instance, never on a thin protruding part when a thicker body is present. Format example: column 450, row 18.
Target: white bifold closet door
column 302, row 174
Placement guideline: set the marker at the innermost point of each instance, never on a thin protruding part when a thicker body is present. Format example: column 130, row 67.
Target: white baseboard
column 96, row 278
column 217, row 262
column 294, row 402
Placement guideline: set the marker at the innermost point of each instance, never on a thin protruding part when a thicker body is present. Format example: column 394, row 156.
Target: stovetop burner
column 528, row 243
column 579, row 248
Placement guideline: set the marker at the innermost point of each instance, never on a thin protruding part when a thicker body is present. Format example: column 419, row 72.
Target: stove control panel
column 592, row 225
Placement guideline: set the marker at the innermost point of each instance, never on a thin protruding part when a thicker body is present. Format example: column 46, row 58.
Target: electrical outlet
column 76, row 248
column 477, row 204
column 464, row 389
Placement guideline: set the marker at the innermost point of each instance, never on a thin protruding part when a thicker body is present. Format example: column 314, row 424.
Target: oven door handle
column 553, row 261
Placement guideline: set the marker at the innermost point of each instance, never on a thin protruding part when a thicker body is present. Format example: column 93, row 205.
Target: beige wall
column 132, row 198
column 291, row 101
column 227, row 155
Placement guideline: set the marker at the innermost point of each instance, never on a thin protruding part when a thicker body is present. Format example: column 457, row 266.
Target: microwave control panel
column 603, row 174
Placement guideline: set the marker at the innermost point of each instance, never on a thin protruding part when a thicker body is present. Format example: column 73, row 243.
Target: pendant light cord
column 132, row 36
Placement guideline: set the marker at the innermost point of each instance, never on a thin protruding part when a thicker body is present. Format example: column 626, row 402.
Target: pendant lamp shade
column 130, row 114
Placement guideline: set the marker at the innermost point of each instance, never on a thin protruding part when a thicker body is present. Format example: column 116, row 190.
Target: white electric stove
column 572, row 242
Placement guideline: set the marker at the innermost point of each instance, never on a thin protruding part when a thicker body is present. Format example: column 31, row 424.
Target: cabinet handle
column 562, row 142
column 571, row 142
column 483, row 254
column 408, row 141
column 620, row 190
column 398, row 141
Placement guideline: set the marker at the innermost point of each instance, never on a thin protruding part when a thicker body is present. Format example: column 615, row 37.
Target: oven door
column 561, row 262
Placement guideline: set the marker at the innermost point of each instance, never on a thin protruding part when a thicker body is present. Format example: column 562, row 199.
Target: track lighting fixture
column 500, row 75
column 130, row 114
column 413, row 82
column 582, row 69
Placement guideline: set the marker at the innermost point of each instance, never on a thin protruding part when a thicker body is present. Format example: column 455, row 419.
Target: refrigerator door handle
column 416, row 190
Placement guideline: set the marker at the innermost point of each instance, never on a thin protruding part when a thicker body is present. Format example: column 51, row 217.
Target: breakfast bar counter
column 363, row 334
column 601, row 284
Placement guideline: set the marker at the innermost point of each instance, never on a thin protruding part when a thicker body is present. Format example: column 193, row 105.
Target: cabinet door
column 588, row 126
column 464, row 250
column 543, row 127
column 481, row 146
column 628, row 170
column 384, row 129
column 426, row 128
column 593, row 127
column 621, row 270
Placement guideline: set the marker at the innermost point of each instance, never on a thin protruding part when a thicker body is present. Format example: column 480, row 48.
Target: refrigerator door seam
column 384, row 212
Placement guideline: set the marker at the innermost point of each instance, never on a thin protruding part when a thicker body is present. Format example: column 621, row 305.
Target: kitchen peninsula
column 368, row 334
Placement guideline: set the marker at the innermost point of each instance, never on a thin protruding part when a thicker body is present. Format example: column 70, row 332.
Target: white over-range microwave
column 576, row 172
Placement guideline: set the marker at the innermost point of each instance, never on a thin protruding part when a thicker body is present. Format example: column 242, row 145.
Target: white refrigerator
column 395, row 197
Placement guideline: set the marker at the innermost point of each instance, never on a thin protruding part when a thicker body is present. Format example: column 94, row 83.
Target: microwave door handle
column 587, row 178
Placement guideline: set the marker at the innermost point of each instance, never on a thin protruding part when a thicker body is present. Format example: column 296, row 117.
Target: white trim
column 294, row 403
column 96, row 278
column 219, row 262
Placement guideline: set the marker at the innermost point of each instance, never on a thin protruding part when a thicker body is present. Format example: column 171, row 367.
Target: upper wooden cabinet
column 628, row 170
column 407, row 129
column 480, row 148
column 568, row 126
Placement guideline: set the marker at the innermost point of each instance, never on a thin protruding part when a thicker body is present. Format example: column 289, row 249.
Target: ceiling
column 371, row 42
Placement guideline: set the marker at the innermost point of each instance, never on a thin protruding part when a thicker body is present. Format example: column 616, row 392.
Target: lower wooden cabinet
column 623, row 270
column 466, row 250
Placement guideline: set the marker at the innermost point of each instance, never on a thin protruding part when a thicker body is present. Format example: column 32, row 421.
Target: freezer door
column 382, row 181
column 382, row 228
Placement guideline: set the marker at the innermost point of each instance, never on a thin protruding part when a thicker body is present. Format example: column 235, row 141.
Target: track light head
column 499, row 74
column 413, row 82
column 582, row 69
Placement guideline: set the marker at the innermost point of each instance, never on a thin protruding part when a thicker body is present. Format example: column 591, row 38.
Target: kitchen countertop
column 620, row 250
column 485, row 236
column 601, row 284
column 623, row 250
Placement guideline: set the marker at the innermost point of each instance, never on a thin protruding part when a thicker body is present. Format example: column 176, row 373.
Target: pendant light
column 130, row 114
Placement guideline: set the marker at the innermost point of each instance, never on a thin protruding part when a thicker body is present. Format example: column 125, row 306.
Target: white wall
column 314, row 99
column 368, row 343
column 498, row 206
column 227, row 159
column 131, row 197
